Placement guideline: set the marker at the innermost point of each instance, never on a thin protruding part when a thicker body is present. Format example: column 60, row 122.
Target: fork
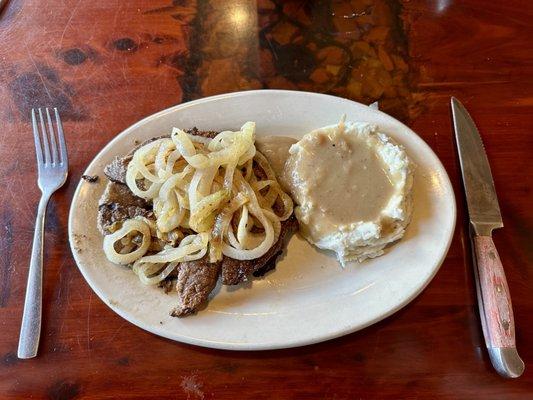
column 52, row 165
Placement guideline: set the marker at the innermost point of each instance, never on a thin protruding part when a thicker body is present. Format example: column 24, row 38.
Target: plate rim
column 240, row 346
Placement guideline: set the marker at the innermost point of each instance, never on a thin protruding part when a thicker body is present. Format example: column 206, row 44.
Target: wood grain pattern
column 108, row 63
column 499, row 329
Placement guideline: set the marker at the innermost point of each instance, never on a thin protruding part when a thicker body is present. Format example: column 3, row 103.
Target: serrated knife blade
column 494, row 298
column 483, row 207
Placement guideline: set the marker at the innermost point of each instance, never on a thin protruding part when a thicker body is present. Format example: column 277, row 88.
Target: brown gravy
column 341, row 177
column 276, row 150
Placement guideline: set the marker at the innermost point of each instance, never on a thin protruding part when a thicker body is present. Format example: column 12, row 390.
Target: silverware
column 52, row 164
column 493, row 295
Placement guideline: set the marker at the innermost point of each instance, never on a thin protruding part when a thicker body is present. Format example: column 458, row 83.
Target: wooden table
column 106, row 64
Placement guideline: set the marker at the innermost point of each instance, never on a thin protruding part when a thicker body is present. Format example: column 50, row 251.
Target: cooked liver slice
column 116, row 170
column 118, row 203
column 119, row 193
column 108, row 214
column 237, row 271
column 196, row 279
column 207, row 134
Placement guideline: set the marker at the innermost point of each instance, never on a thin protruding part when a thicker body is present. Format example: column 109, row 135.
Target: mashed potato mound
column 352, row 185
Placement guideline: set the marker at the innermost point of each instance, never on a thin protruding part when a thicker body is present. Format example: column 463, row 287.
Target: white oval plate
column 308, row 298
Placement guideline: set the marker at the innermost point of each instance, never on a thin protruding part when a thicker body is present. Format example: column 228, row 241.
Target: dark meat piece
column 116, row 170
column 166, row 285
column 90, row 178
column 196, row 279
column 108, row 214
column 269, row 266
column 117, row 204
column 119, row 193
column 207, row 134
column 169, row 282
column 237, row 271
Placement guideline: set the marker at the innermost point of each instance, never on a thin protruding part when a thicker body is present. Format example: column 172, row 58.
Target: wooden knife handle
column 499, row 321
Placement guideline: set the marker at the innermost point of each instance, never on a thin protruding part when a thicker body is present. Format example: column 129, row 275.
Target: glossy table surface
column 106, row 64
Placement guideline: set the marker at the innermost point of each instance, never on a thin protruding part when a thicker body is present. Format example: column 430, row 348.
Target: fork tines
column 47, row 140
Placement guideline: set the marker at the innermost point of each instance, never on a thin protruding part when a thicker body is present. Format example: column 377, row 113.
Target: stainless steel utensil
column 493, row 295
column 52, row 164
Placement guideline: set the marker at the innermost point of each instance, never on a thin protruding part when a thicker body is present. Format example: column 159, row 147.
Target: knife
column 494, row 300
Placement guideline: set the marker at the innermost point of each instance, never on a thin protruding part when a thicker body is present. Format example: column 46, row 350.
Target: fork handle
column 31, row 319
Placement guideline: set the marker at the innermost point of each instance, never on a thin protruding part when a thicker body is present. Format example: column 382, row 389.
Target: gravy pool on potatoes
column 343, row 178
column 351, row 185
column 342, row 175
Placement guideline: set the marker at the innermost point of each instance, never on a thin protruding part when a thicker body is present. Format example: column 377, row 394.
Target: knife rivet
column 505, row 325
column 492, row 256
column 499, row 288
